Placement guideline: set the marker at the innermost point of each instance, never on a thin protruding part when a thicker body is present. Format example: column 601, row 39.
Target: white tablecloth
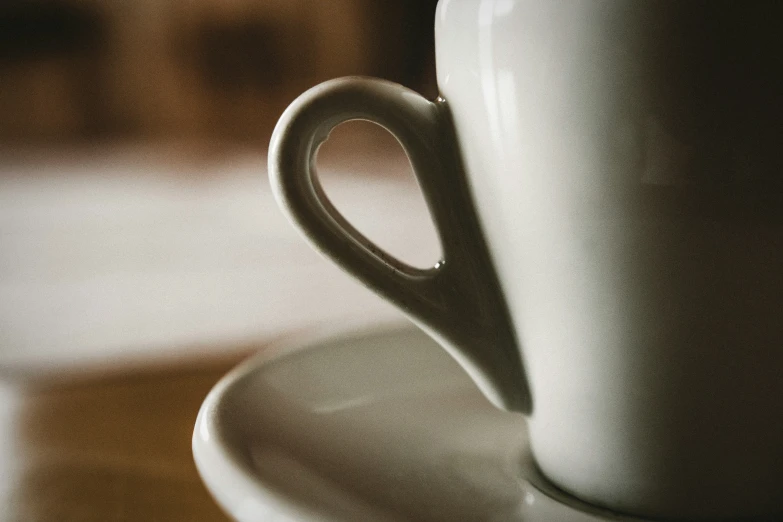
column 129, row 257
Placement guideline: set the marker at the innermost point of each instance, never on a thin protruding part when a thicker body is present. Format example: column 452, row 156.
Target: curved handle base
column 458, row 301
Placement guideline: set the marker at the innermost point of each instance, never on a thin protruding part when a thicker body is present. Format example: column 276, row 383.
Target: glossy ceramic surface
column 605, row 178
column 376, row 426
column 458, row 301
column 633, row 209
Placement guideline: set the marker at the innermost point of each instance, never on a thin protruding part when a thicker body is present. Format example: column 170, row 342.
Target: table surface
column 115, row 449
column 131, row 279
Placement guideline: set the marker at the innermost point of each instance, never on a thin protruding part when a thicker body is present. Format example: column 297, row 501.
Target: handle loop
column 458, row 301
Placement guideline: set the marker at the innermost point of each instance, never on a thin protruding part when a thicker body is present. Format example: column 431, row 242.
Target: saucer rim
column 215, row 456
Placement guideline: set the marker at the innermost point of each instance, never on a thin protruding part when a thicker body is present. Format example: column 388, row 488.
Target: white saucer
column 376, row 426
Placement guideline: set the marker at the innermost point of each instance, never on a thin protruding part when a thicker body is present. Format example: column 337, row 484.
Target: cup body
column 625, row 163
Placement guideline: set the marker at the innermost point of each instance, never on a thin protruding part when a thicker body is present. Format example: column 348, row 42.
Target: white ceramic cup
column 607, row 184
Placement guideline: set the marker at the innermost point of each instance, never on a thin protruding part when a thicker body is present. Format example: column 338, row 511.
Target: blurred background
column 75, row 70
column 141, row 252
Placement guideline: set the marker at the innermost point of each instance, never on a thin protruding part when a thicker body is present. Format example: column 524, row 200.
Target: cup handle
column 458, row 301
